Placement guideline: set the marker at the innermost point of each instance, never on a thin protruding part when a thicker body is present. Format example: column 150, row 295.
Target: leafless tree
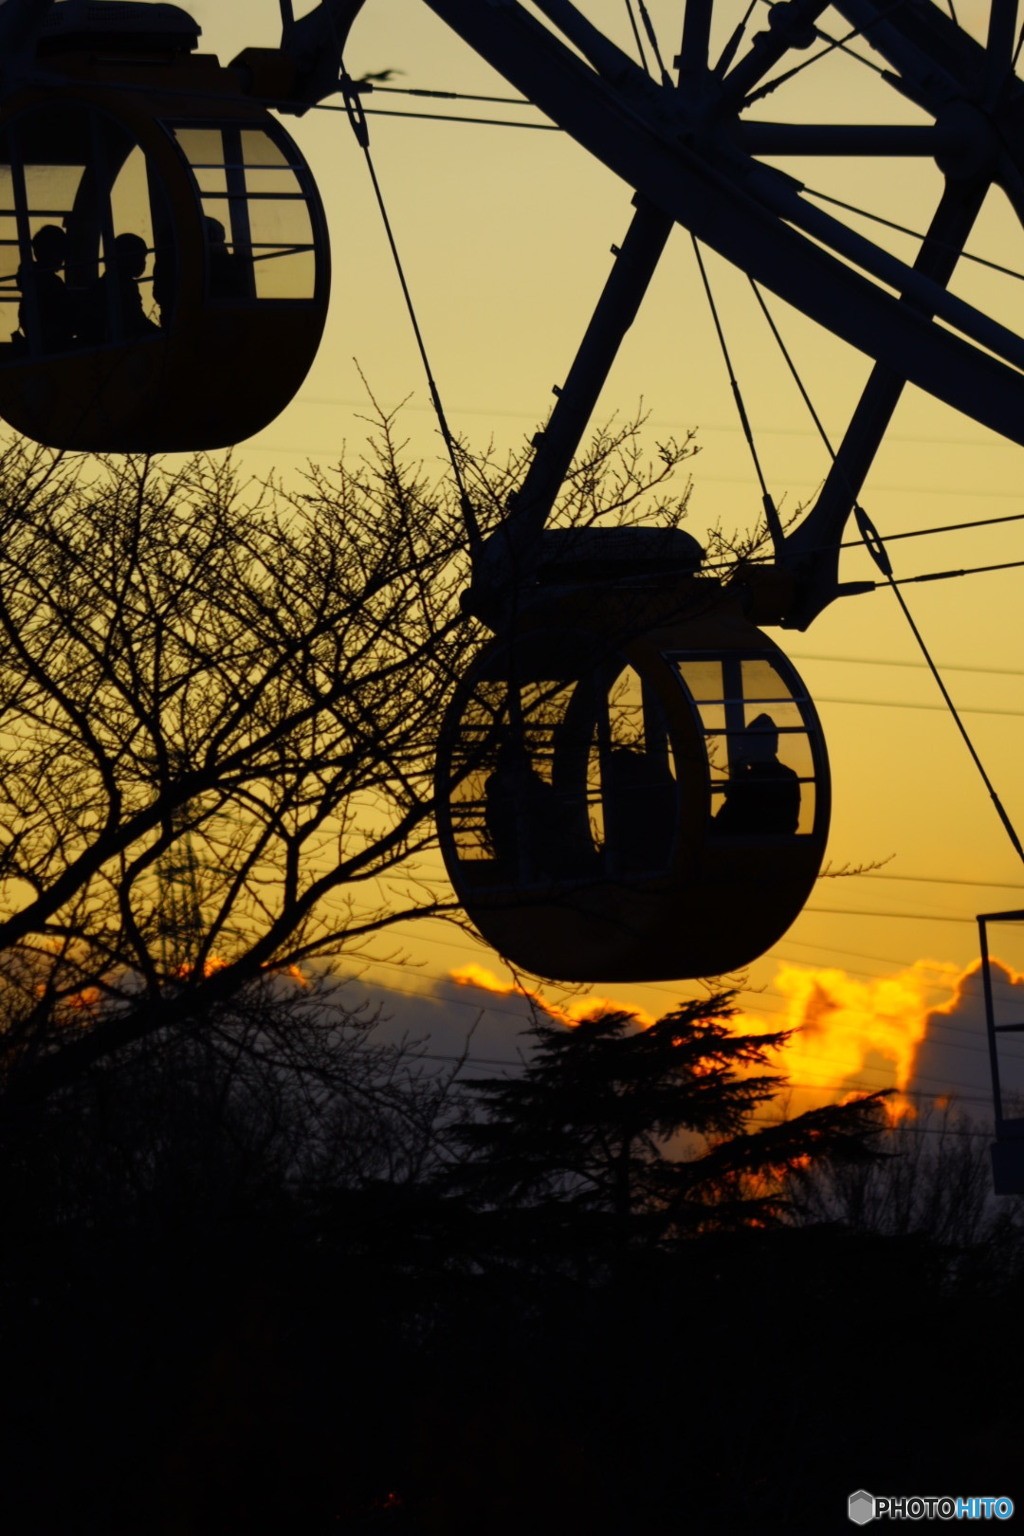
column 219, row 711
column 933, row 1181
column 220, row 705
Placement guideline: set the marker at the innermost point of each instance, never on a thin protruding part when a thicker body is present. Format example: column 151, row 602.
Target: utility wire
column 910, row 917
column 992, row 885
column 899, row 581
column 885, row 661
column 356, row 117
column 968, row 709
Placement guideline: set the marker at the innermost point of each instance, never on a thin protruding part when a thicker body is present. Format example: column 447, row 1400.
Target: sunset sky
column 505, row 234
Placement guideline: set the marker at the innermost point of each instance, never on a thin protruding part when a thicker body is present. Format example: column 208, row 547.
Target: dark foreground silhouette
column 211, row 1327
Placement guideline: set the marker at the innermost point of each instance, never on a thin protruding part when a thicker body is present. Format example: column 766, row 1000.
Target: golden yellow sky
column 505, row 235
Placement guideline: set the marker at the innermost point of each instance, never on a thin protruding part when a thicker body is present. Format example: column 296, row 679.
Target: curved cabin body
column 196, row 332
column 631, row 795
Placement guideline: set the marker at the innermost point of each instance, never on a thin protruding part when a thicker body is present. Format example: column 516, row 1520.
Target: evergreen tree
column 646, row 1136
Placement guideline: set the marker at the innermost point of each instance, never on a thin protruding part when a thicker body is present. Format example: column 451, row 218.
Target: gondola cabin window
column 757, row 730
column 256, row 216
column 84, row 232
column 164, row 274
column 564, row 780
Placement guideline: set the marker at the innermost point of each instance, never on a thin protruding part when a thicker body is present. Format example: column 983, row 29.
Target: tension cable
column 652, row 38
column 876, row 218
column 771, row 514
column 636, row 37
column 876, row 549
column 357, row 118
column 872, row 540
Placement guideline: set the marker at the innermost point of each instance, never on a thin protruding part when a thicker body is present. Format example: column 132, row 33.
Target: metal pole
column 990, row 1022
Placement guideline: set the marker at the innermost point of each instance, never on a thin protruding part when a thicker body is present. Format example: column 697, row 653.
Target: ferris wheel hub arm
column 811, row 550
column 928, row 140
column 790, row 25
column 687, row 154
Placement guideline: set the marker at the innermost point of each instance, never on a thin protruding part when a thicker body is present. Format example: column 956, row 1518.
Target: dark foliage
column 233, row 1302
column 645, row 1135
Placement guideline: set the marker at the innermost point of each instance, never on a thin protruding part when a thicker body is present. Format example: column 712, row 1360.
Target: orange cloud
column 479, row 976
column 573, row 1012
column 848, row 1035
column 852, row 1034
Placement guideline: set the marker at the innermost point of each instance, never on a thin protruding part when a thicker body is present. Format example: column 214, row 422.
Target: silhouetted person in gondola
column 520, row 815
column 640, row 810
column 762, row 797
column 48, row 319
column 227, row 275
column 111, row 308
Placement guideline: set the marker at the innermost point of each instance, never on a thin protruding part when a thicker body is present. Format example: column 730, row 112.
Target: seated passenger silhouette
column 165, row 278
column 762, row 797
column 47, row 320
column 521, row 815
column 111, row 307
column 227, row 274
column 640, row 810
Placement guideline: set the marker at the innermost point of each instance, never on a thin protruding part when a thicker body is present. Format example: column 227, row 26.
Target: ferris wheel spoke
column 693, row 50
column 1011, row 180
column 1002, row 29
column 598, row 50
column 732, row 47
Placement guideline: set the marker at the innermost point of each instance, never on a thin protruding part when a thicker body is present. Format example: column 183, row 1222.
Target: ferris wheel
column 632, row 779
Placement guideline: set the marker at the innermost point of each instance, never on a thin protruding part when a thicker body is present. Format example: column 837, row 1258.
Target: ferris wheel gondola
column 633, row 783
column 163, row 251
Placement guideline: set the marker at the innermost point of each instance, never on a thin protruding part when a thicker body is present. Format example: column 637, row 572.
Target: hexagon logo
column 861, row 1507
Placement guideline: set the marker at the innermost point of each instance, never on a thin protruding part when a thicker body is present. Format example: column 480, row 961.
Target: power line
column 829, row 949
column 920, row 917
column 710, row 426
column 994, row 885
column 967, row 709
column 886, row 661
